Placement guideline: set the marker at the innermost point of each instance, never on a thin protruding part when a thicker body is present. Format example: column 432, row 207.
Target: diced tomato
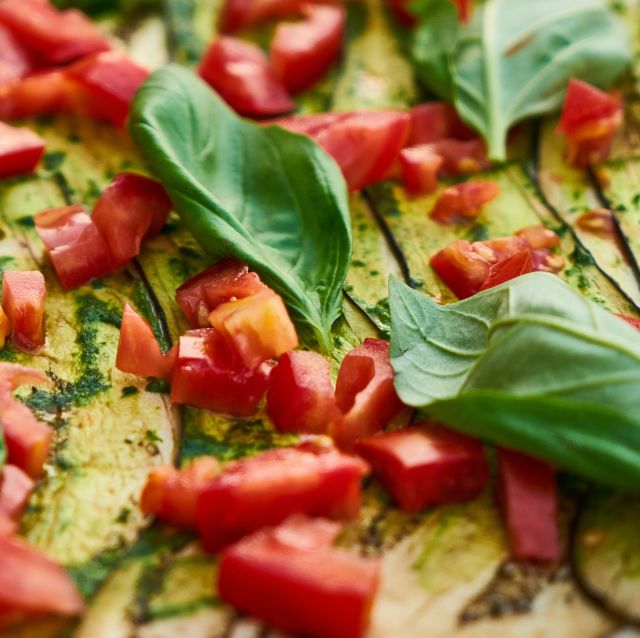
column 257, row 328
column 402, row 11
column 427, row 465
column 5, row 327
column 55, row 36
column 240, row 72
column 598, row 221
column 529, row 502
column 302, row 52
column 268, row 488
column 30, row 583
column 420, row 166
column 238, row 14
column 462, row 157
column 300, row 397
column 434, row 121
column 462, row 267
column 463, row 200
column 590, row 119
column 519, row 264
column 76, row 247
column 632, row 321
column 291, row 578
column 539, row 237
column 139, row 352
column 309, row 125
column 131, row 208
column 225, row 281
column 23, row 297
column 172, row 494
column 40, row 94
column 20, row 150
column 208, row 374
column 14, row 375
column 464, row 9
column 15, row 489
column 102, row 86
column 15, row 60
column 364, row 393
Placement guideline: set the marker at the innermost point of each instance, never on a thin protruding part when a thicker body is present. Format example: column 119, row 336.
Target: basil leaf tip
column 263, row 195
column 530, row 365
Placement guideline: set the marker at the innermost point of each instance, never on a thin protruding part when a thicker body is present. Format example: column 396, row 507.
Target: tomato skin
column 420, row 166
column 172, row 494
column 227, row 280
column 461, row 157
column 519, row 264
column 539, row 237
column 209, row 375
column 268, row 488
column 435, row 121
column 15, row 60
column 32, row 584
column 15, row 489
column 131, row 208
column 5, row 328
column 292, row 579
column 461, row 267
column 20, row 150
column 464, row 9
column 302, row 52
column 463, row 200
column 76, row 247
column 364, row 393
column 256, row 328
column 55, row 36
column 103, row 85
column 44, row 93
column 529, row 500
column 23, row 298
column 309, row 125
column 632, row 321
column 300, row 397
column 238, row 14
column 240, row 72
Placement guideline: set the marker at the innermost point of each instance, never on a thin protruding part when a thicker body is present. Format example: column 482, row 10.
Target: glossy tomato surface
column 433, row 121
column 23, row 298
column 519, row 264
column 41, row 94
column 238, row 14
column 420, row 166
column 15, row 59
column 20, row 150
column 463, row 201
column 16, row 487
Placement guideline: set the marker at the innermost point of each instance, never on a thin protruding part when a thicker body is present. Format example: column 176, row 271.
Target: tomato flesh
column 225, row 281
column 172, row 495
column 420, row 166
column 632, row 321
column 434, row 121
column 302, row 52
column 519, row 264
column 267, row 488
column 463, row 201
column 364, row 393
column 23, row 298
column 15, row 60
column 238, row 14
column 208, row 374
column 5, row 327
column 20, row 150
column 300, row 397
column 55, row 36
column 257, row 328
column 427, row 465
column 41, row 94
column 529, row 500
column 15, row 489
column 293, row 579
column 461, row 157
column 240, row 72
column 131, row 208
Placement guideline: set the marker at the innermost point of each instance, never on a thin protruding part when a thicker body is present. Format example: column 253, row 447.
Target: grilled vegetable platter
column 319, row 319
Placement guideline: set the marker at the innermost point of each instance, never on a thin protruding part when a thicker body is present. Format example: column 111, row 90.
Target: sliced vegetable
column 15, row 60
column 208, row 374
column 55, row 36
column 23, row 297
column 131, row 208
column 241, row 73
column 590, row 119
column 225, row 281
column 138, row 350
column 172, row 494
column 15, row 489
column 300, row 397
column 78, row 250
column 529, row 501
column 20, row 150
column 364, row 393
column 268, row 488
column 434, row 121
column 463, row 201
column 420, row 166
column 302, row 52
column 291, row 578
column 257, row 328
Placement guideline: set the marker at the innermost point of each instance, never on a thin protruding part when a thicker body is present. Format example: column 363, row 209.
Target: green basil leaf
column 541, row 347
column 515, row 57
column 268, row 197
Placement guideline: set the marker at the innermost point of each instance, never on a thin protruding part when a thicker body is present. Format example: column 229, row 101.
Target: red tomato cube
column 257, row 328
column 634, row 322
column 463, row 201
column 434, row 121
column 44, row 93
column 300, row 397
column 293, row 579
column 462, row 267
column 15, row 59
column 131, row 208
column 268, row 488
column 225, row 281
column 302, row 52
column 208, row 374
column 15, row 489
column 20, row 150
column 23, row 297
column 364, row 393
column 529, row 501
column 427, row 465
column 172, row 494
column 238, row 14
column 5, row 327
column 76, row 247
column 420, row 166
column 461, row 157
column 240, row 72
column 519, row 264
